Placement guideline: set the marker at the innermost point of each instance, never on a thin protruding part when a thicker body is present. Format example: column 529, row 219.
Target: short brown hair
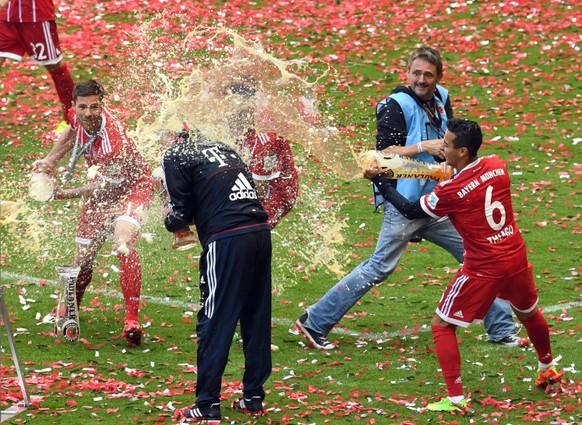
column 88, row 88
column 430, row 55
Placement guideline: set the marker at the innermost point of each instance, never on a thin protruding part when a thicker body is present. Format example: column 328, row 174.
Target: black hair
column 467, row 134
column 242, row 89
column 183, row 134
column 194, row 136
column 88, row 88
column 243, row 86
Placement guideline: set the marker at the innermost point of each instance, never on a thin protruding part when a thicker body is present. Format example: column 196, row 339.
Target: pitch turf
column 512, row 67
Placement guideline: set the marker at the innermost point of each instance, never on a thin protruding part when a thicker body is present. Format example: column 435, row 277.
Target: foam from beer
column 41, row 187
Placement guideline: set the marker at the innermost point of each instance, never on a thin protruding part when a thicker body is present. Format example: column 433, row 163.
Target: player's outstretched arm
column 63, row 145
column 410, row 210
column 90, row 189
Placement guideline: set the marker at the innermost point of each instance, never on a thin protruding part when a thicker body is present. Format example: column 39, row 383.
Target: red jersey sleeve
column 267, row 156
column 270, row 160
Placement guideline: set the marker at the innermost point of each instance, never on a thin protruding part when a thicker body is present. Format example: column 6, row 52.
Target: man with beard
column 411, row 122
column 115, row 201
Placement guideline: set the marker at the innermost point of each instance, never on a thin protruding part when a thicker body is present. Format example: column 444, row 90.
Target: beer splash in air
column 215, row 59
column 165, row 84
column 215, row 69
column 27, row 229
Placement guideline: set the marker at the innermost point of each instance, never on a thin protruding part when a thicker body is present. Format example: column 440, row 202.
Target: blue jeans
column 498, row 321
column 394, row 236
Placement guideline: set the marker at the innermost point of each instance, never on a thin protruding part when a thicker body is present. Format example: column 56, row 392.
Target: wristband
column 419, row 147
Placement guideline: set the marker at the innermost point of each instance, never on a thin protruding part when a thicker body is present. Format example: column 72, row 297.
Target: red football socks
column 449, row 357
column 539, row 334
column 83, row 280
column 64, row 85
column 130, row 281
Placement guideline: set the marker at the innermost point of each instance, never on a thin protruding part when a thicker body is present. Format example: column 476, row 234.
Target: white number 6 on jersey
column 490, row 207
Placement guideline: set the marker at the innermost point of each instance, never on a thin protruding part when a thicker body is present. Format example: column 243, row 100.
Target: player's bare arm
column 92, row 188
column 87, row 190
column 63, row 145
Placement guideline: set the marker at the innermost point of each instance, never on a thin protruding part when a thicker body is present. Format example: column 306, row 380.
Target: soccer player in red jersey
column 115, row 201
column 28, row 27
column 273, row 169
column 267, row 154
column 478, row 202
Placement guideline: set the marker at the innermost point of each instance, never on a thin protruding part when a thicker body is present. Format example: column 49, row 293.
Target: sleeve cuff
column 379, row 180
column 174, row 223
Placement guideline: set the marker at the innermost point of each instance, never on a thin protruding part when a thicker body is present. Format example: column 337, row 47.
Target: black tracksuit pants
column 235, row 284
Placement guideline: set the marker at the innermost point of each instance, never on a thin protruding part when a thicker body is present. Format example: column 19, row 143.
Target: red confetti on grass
column 332, row 31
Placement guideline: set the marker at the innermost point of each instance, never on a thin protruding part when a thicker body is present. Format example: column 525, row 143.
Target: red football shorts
column 38, row 39
column 468, row 299
column 99, row 214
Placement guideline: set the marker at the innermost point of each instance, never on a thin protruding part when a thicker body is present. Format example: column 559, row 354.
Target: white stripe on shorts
column 455, row 289
column 51, row 55
column 50, row 47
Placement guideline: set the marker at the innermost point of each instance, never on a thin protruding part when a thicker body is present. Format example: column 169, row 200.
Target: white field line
column 276, row 320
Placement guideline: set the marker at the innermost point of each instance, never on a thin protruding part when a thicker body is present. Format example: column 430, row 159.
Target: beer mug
column 184, row 239
column 41, row 187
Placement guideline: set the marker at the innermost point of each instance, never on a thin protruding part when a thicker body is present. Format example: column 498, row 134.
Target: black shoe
column 210, row 414
column 252, row 406
column 415, row 239
column 513, row 341
column 316, row 339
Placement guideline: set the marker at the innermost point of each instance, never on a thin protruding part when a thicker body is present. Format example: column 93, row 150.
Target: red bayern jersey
column 28, row 11
column 113, row 152
column 270, row 160
column 478, row 203
column 270, row 156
